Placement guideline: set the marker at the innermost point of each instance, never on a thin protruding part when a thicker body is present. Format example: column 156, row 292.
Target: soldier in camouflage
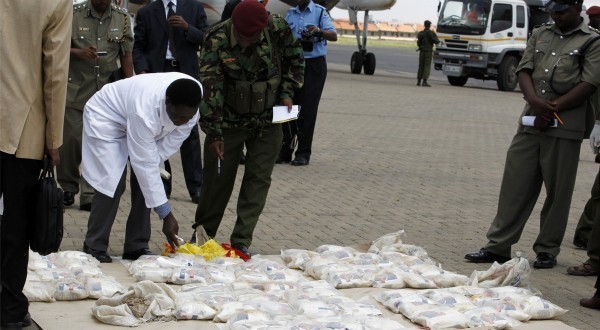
column 248, row 64
column 425, row 41
column 101, row 37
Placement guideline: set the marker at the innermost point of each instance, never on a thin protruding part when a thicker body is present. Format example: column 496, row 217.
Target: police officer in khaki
column 558, row 75
column 101, row 36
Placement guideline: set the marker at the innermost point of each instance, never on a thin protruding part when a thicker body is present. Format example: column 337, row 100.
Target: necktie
column 171, row 31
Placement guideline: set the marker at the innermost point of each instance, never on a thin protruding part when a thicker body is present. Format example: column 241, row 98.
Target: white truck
column 485, row 39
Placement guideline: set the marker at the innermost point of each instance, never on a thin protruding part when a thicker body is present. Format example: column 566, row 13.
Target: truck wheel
column 356, row 63
column 369, row 63
column 507, row 74
column 457, row 81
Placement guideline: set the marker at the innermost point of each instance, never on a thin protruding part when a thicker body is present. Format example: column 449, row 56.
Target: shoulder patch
column 119, row 9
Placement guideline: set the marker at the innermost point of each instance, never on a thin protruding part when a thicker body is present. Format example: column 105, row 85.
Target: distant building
column 380, row 30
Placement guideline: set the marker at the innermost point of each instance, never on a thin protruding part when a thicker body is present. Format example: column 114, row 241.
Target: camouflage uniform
column 425, row 41
column 274, row 68
column 112, row 33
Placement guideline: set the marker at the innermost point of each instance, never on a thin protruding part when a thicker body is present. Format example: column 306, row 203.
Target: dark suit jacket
column 151, row 37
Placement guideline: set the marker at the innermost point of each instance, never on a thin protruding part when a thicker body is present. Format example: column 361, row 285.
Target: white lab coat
column 128, row 119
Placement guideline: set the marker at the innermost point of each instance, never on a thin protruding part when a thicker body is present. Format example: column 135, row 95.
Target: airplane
column 360, row 59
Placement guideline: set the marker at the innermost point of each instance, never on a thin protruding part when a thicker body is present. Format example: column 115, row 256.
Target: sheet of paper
column 529, row 121
column 281, row 114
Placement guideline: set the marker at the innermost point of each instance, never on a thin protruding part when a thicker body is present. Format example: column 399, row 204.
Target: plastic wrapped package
column 514, row 272
column 274, row 308
column 36, row 261
column 33, row 276
column 426, row 270
column 312, row 285
column 540, row 309
column 347, row 279
column 191, row 260
column 227, row 310
column 337, row 254
column 504, row 307
column 286, row 275
column 295, row 258
column 337, row 300
column 508, row 291
column 42, row 291
column 220, row 274
column 85, row 270
column 315, row 266
column 102, row 286
column 259, row 325
column 54, row 274
column 448, row 279
column 258, row 297
column 328, row 248
column 381, row 323
column 314, row 308
column 366, row 259
column 401, row 259
column 206, row 287
column 386, row 240
column 251, row 276
column 243, row 292
column 280, row 286
column 215, row 299
column 69, row 289
column 411, row 250
column 416, row 281
column 404, row 302
column 188, row 275
column 156, row 275
column 357, row 309
column 143, row 262
column 456, row 301
column 490, row 318
column 73, row 258
column 225, row 261
column 439, row 317
column 188, row 306
column 166, row 262
column 240, row 285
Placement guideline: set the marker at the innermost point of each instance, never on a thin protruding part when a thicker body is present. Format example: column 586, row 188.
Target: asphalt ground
column 390, row 156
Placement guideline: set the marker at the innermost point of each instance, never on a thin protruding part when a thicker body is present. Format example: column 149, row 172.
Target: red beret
column 593, row 11
column 249, row 17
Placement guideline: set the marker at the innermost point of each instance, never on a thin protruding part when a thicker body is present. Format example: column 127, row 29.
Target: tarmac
column 390, row 156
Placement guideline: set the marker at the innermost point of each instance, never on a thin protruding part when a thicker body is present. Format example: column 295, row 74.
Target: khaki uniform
column 425, row 41
column 548, row 157
column 112, row 33
column 241, row 88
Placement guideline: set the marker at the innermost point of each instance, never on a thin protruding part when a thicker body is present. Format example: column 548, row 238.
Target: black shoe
column 425, row 84
column 68, row 198
column 544, row 260
column 242, row 248
column 134, row 255
column 282, row 159
column 101, row 256
column 195, row 198
column 580, row 243
column 300, row 161
column 25, row 322
column 485, row 256
column 85, row 207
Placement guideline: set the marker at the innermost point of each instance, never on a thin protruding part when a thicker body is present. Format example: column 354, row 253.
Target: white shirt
column 128, row 119
column 169, row 56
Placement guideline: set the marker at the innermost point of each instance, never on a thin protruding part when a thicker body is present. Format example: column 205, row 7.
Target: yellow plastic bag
column 209, row 250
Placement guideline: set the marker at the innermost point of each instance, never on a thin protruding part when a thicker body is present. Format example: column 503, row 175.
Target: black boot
column 425, row 84
column 418, row 82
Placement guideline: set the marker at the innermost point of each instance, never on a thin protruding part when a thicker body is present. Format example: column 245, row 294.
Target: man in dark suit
column 168, row 35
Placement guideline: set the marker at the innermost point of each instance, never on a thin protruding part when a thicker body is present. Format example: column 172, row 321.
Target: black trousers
column 18, row 178
column 191, row 152
column 315, row 73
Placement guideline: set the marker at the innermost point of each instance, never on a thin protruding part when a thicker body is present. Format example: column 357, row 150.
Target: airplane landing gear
column 362, row 58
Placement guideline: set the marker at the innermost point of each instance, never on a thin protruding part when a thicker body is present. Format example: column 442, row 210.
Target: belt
column 174, row 63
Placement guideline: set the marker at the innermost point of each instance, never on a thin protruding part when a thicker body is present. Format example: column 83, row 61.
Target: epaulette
column 119, row 9
column 79, row 6
column 214, row 28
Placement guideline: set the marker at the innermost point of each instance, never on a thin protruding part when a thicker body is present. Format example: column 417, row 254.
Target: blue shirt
column 311, row 15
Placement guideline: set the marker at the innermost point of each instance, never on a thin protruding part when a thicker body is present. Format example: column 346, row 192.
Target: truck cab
column 485, row 39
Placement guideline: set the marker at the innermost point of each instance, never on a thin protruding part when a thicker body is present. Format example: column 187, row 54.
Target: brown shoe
column 585, row 269
column 593, row 302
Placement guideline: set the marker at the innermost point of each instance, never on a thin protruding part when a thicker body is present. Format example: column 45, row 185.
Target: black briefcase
column 47, row 230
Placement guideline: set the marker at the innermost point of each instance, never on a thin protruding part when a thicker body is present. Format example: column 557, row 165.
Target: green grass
column 373, row 41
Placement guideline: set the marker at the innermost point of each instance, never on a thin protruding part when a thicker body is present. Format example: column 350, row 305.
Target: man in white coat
column 143, row 119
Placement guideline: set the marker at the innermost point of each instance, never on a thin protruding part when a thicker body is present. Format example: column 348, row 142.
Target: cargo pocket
column 258, row 97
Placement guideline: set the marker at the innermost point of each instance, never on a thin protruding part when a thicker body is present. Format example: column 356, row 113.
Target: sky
column 413, row 11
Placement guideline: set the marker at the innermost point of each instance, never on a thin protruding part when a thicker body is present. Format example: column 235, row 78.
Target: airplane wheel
column 369, row 64
column 356, row 63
